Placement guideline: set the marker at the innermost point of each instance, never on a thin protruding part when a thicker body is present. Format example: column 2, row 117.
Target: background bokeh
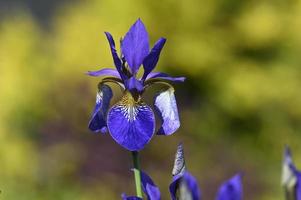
column 240, row 105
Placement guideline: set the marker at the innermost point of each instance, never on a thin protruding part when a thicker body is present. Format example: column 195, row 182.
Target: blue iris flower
column 131, row 122
column 291, row 177
column 185, row 187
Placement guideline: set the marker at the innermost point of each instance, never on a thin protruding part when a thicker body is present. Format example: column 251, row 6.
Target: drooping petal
column 115, row 56
column 132, row 84
column 184, row 186
column 291, row 178
column 164, row 76
column 104, row 72
column 135, row 46
column 179, row 163
column 98, row 119
column 131, row 123
column 150, row 62
column 166, row 106
column 124, row 197
column 150, row 189
column 231, row 189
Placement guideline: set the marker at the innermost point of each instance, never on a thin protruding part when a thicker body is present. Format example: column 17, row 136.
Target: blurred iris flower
column 149, row 188
column 291, row 177
column 231, row 189
column 130, row 121
column 185, row 187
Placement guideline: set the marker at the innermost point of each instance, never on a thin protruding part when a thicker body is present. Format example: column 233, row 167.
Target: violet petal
column 135, row 46
column 97, row 122
column 131, row 123
column 231, row 189
column 115, row 56
column 184, row 186
column 124, row 197
column 133, row 84
column 151, row 60
column 150, row 189
column 164, row 76
column 104, row 72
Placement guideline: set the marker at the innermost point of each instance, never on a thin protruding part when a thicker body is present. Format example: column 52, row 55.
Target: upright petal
column 185, row 187
column 115, row 56
column 135, row 46
column 164, row 76
column 131, row 123
column 231, row 189
column 150, row 189
column 104, row 72
column 150, row 62
column 98, row 119
column 166, row 106
column 193, row 186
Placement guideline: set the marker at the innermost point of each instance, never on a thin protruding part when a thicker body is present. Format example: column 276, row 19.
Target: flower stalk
column 137, row 174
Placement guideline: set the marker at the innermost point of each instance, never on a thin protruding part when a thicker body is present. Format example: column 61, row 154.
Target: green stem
column 137, row 173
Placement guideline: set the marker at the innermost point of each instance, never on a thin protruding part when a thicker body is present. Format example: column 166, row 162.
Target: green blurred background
column 240, row 105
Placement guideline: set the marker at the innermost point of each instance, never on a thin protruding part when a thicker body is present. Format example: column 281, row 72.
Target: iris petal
column 184, row 186
column 288, row 175
column 164, row 76
column 131, row 123
column 116, row 59
column 133, row 84
column 135, row 45
column 98, row 119
column 166, row 106
column 150, row 189
column 124, row 197
column 104, row 72
column 291, row 178
column 231, row 189
column 150, row 62
column 298, row 187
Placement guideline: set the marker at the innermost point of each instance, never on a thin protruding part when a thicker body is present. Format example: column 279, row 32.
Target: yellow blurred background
column 240, row 105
